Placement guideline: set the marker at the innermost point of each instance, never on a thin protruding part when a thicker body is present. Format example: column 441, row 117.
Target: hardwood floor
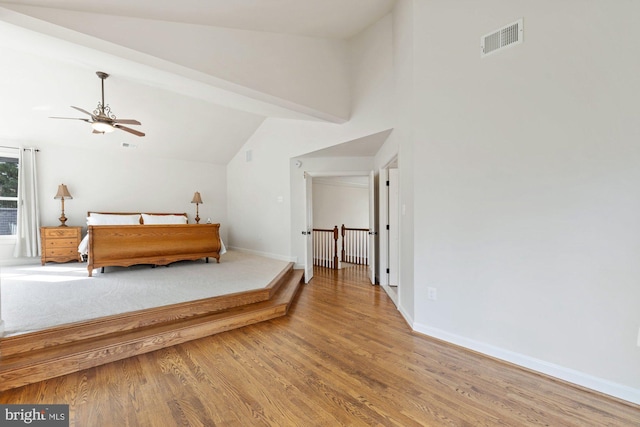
column 343, row 356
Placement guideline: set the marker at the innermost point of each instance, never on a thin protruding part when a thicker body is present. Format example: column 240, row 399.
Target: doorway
column 334, row 203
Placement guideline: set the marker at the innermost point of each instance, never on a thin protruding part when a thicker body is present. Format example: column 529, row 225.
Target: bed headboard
column 140, row 215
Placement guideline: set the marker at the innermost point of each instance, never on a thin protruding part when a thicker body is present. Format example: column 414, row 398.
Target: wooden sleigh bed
column 126, row 239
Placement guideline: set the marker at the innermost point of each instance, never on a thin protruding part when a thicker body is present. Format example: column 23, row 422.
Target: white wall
column 401, row 139
column 123, row 181
column 338, row 203
column 266, row 194
column 259, row 221
column 526, row 199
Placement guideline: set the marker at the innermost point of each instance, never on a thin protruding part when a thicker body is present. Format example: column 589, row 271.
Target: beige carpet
column 35, row 297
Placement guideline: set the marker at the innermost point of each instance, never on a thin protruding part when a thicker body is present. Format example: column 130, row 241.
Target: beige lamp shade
column 197, row 198
column 63, row 192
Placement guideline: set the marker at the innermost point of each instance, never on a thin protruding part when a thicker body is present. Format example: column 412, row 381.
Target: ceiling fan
column 102, row 119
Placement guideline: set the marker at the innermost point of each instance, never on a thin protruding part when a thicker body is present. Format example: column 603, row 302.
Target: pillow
column 163, row 219
column 113, row 219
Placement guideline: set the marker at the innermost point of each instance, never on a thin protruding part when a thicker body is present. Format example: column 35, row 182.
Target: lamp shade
column 63, row 192
column 197, row 198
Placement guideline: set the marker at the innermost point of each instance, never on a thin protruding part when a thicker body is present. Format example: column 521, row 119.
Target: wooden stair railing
column 325, row 247
column 355, row 245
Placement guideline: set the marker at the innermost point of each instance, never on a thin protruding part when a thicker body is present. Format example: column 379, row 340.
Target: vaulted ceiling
column 201, row 75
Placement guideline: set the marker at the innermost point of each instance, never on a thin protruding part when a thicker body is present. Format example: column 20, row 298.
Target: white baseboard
column 579, row 378
column 265, row 254
column 405, row 314
column 393, row 295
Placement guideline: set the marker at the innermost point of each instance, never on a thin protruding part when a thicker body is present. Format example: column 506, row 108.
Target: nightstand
column 60, row 244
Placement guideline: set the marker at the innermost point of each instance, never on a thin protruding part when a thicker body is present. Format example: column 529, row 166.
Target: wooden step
column 117, row 323
column 36, row 365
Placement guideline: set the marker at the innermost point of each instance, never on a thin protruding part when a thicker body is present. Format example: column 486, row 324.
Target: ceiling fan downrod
column 103, row 110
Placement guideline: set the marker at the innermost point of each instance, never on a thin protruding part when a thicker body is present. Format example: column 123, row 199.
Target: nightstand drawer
column 61, row 243
column 63, row 252
column 53, row 233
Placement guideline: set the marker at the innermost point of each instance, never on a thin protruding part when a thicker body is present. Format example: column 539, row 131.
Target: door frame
column 383, row 238
column 308, row 215
column 308, row 231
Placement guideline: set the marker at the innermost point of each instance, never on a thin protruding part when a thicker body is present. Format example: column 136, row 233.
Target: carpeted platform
column 36, row 297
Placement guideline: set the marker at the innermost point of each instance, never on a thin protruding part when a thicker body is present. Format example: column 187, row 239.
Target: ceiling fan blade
column 127, row 121
column 71, row 118
column 81, row 110
column 126, row 129
column 95, row 131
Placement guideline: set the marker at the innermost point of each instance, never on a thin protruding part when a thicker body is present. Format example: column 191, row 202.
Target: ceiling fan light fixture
column 102, row 120
column 102, row 127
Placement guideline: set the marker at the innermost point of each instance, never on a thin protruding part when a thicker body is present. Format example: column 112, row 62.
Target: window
column 8, row 194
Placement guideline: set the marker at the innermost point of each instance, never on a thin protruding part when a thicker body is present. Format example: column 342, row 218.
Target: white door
column 307, row 233
column 394, row 227
column 383, row 220
column 372, row 230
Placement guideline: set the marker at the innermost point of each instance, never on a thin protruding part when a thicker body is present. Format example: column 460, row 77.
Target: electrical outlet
column 432, row 294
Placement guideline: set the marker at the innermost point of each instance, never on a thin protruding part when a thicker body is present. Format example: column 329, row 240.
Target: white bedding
column 163, row 219
column 113, row 219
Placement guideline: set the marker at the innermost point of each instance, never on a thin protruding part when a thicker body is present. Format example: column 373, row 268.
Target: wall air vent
column 509, row 35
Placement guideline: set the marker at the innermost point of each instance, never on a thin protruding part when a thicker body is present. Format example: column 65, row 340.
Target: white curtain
column 28, row 230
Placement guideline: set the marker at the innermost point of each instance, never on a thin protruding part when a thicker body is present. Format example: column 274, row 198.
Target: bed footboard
column 127, row 245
